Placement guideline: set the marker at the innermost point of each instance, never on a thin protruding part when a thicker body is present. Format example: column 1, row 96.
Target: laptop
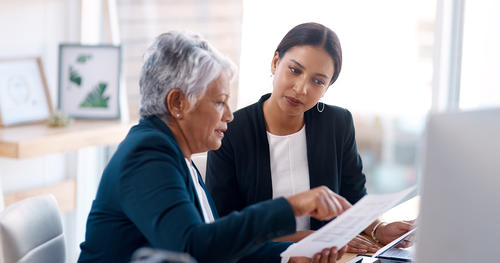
column 459, row 217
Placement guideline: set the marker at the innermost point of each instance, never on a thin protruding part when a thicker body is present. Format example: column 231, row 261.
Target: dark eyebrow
column 301, row 66
column 298, row 64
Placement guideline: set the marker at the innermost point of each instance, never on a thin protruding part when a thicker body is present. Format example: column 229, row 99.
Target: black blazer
column 239, row 173
column 146, row 197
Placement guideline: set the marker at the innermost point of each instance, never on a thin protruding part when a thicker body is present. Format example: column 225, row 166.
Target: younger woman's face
column 301, row 77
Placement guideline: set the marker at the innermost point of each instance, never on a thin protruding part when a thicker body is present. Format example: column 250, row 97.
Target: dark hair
column 314, row 34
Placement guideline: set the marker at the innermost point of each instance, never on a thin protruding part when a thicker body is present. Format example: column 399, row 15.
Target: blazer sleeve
column 269, row 253
column 155, row 197
column 353, row 179
column 221, row 179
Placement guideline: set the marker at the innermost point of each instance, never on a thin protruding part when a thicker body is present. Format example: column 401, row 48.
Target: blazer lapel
column 320, row 147
column 209, row 198
column 263, row 176
column 189, row 182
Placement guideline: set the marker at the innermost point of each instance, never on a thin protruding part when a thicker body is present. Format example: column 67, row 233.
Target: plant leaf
column 83, row 58
column 74, row 76
column 96, row 98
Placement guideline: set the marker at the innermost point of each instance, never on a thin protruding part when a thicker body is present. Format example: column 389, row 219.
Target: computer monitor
column 459, row 217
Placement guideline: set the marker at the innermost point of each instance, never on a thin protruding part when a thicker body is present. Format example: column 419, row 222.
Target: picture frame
column 89, row 81
column 24, row 94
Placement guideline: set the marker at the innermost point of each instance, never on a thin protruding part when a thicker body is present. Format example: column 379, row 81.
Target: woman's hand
column 361, row 244
column 327, row 255
column 320, row 203
column 388, row 232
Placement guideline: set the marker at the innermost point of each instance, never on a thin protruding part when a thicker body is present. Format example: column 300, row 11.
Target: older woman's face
column 205, row 123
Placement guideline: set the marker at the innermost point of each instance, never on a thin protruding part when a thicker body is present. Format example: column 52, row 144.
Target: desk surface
column 32, row 140
column 405, row 211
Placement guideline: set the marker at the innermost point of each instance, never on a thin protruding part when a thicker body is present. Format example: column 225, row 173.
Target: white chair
column 31, row 231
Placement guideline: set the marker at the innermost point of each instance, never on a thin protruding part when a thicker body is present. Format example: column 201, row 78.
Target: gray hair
column 178, row 60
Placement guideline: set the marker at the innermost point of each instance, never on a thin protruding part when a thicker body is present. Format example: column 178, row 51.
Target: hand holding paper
column 327, row 255
column 346, row 226
column 320, row 203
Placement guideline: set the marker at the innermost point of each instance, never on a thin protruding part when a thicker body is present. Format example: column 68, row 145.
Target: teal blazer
column 146, row 197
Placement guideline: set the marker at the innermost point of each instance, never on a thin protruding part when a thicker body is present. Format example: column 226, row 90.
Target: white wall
column 35, row 28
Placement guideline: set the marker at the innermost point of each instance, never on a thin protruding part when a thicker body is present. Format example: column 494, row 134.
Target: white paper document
column 346, row 226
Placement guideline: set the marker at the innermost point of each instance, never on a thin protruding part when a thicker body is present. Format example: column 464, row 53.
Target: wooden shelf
column 64, row 192
column 33, row 140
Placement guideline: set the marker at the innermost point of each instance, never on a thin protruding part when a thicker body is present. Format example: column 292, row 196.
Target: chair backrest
column 31, row 231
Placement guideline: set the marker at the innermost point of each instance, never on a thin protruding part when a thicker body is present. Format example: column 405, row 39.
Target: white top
column 289, row 168
column 200, row 192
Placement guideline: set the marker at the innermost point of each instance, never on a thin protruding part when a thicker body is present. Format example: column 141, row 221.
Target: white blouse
column 289, row 167
column 202, row 196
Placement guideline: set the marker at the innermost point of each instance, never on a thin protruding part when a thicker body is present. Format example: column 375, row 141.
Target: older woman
column 151, row 194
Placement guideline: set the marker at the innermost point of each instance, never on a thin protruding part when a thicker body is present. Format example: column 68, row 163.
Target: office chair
column 31, row 231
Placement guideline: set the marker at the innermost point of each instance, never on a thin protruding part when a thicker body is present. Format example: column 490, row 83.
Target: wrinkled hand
column 320, row 203
column 327, row 255
column 361, row 244
column 388, row 232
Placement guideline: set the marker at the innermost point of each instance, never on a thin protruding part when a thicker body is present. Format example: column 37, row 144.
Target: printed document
column 346, row 226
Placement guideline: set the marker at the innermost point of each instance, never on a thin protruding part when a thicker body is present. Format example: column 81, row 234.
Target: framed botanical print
column 89, row 81
column 24, row 95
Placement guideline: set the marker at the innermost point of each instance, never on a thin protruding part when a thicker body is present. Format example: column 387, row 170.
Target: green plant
column 96, row 98
column 75, row 77
column 83, row 58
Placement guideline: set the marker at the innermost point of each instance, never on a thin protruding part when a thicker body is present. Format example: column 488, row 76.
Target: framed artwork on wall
column 24, row 95
column 89, row 81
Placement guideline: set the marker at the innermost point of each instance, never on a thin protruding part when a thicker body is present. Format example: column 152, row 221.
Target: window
column 386, row 78
column 140, row 22
column 480, row 85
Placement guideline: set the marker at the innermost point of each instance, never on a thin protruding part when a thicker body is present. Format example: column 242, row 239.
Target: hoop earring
column 322, row 106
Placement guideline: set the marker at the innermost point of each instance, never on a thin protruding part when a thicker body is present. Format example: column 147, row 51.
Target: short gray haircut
column 178, row 60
